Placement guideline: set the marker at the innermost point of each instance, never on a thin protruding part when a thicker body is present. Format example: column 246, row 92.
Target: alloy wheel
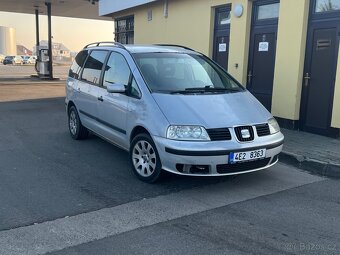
column 144, row 158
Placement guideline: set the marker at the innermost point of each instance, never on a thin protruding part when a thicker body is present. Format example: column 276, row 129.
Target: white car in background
column 2, row 57
column 29, row 59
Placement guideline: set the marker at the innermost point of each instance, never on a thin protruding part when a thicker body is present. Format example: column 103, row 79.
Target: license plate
column 247, row 155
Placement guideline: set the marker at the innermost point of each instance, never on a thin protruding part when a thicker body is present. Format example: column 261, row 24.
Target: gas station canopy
column 86, row 9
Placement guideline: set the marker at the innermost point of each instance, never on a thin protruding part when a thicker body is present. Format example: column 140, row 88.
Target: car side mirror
column 115, row 87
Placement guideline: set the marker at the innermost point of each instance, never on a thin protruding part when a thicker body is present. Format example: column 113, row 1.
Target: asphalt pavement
column 80, row 197
column 62, row 196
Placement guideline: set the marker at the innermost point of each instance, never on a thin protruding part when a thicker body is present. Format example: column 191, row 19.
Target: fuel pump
column 42, row 63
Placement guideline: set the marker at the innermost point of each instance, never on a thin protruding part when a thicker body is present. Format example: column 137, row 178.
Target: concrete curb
column 314, row 166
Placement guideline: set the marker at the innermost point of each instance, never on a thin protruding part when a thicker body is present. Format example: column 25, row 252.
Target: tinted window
column 268, row 11
column 77, row 64
column 117, row 70
column 223, row 18
column 124, row 30
column 327, row 5
column 93, row 66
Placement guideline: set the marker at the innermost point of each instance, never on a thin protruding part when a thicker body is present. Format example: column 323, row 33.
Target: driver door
column 113, row 107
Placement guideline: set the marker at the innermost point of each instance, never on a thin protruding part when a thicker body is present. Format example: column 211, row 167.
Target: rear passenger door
column 88, row 87
column 113, row 107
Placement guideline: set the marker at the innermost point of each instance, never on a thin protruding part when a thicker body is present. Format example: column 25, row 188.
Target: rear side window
column 77, row 64
column 93, row 66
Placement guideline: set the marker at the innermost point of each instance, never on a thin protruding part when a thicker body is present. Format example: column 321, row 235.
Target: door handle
column 100, row 99
column 250, row 75
column 307, row 78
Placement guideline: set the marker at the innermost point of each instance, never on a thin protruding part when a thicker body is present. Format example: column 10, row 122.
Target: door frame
column 319, row 21
column 262, row 26
column 252, row 48
column 220, row 30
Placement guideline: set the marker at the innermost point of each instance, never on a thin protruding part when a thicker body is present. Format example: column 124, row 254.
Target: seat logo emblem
column 245, row 133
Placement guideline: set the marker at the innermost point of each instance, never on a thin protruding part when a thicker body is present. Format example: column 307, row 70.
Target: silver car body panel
column 228, row 109
column 115, row 118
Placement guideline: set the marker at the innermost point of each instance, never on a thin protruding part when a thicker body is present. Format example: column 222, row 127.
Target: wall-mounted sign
column 222, row 47
column 263, row 46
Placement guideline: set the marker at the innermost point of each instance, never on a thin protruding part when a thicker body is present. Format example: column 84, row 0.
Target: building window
column 327, row 5
column 124, row 30
column 268, row 11
column 223, row 18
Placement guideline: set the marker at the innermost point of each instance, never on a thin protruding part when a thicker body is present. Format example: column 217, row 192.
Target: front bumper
column 211, row 158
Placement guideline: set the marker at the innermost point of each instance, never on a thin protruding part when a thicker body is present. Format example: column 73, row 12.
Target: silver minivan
column 172, row 109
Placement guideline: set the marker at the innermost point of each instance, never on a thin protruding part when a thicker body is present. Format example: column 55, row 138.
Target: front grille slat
column 238, row 132
column 262, row 130
column 241, row 167
column 219, row 134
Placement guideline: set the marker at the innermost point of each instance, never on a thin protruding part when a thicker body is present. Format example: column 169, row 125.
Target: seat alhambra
column 172, row 108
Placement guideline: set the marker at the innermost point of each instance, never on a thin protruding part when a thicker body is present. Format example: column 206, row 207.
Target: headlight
column 195, row 133
column 273, row 126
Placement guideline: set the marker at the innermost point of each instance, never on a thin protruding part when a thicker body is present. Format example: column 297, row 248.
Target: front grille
column 219, row 134
column 242, row 167
column 263, row 129
column 238, row 133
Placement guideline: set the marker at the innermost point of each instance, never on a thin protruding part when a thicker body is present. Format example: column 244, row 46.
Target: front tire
column 77, row 130
column 144, row 159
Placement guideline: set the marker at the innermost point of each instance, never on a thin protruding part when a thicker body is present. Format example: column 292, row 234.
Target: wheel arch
column 69, row 105
column 138, row 130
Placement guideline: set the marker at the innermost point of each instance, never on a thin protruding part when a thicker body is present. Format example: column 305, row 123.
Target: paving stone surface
column 312, row 146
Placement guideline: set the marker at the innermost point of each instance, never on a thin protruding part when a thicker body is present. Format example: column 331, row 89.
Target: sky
column 73, row 33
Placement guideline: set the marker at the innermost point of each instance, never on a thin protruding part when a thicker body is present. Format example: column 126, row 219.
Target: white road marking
column 66, row 232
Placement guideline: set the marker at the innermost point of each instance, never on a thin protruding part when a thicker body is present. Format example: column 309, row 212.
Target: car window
column 134, row 90
column 171, row 72
column 93, row 66
column 117, row 70
column 78, row 64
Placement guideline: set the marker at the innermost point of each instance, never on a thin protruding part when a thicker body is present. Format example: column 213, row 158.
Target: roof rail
column 96, row 44
column 175, row 45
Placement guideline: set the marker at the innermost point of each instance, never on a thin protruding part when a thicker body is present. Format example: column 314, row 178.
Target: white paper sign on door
column 263, row 46
column 222, row 47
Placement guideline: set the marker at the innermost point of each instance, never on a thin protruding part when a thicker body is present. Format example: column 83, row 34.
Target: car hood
column 212, row 111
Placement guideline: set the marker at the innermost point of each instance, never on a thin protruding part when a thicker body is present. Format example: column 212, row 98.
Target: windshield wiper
column 186, row 91
column 203, row 90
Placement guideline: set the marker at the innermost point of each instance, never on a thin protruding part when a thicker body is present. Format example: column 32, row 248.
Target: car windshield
column 184, row 74
column 9, row 57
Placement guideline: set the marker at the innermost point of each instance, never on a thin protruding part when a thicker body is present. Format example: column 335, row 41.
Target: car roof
column 140, row 48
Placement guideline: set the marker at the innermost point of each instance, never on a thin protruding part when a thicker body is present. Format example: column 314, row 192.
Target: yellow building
column 285, row 52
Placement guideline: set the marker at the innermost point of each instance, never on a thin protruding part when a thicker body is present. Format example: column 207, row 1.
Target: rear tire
column 77, row 130
column 144, row 159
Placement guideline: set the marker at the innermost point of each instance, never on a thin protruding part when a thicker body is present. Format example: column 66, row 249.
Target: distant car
column 29, row 59
column 13, row 60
